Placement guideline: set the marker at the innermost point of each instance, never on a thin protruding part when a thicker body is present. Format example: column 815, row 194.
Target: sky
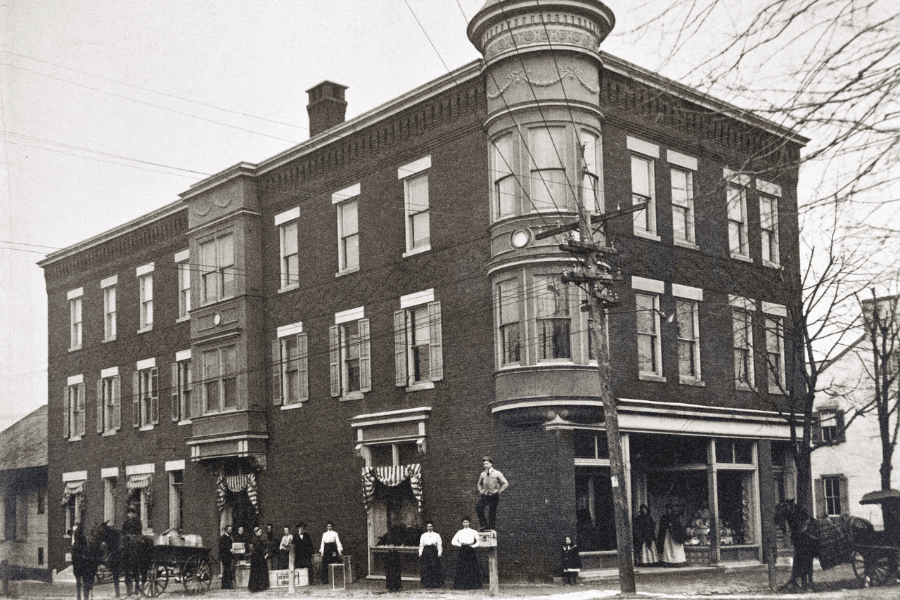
column 111, row 108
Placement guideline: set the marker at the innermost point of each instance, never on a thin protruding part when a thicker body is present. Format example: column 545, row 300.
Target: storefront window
column 594, row 516
column 590, row 444
column 736, row 508
column 734, row 451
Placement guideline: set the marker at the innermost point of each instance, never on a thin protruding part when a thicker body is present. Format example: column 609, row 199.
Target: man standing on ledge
column 490, row 484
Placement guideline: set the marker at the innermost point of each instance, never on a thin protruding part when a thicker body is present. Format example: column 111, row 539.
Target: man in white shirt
column 490, row 484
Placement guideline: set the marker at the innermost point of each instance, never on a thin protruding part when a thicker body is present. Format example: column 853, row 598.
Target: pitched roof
column 24, row 443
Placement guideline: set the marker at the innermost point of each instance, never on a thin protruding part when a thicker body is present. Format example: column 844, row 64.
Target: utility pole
column 597, row 273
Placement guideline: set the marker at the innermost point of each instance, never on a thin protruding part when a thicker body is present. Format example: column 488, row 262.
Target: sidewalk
column 734, row 581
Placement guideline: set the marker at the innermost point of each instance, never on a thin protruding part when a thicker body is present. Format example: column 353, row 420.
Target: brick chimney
column 326, row 107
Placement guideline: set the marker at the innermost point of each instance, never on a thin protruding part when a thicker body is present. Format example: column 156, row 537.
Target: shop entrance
column 595, row 520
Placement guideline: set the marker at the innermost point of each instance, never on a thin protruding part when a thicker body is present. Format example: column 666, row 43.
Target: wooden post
column 291, row 569
column 488, row 539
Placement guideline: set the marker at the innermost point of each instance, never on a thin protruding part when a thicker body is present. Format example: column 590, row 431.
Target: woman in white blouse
column 430, row 551
column 330, row 549
column 466, row 574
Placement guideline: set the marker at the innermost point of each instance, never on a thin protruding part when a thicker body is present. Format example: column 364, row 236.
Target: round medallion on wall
column 520, row 238
column 217, row 319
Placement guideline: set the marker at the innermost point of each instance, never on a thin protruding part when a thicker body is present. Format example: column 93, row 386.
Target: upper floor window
column 830, row 427
column 509, row 321
column 145, row 394
column 549, row 185
column 289, row 251
column 347, row 202
column 686, row 312
column 417, row 340
column 833, row 495
column 220, row 379
column 75, row 318
column 176, row 499
column 109, row 307
column 506, row 188
column 73, row 413
column 182, row 383
column 290, row 366
column 348, row 345
column 416, row 204
column 217, row 267
column 109, row 401
column 648, row 338
column 592, row 177
column 775, row 347
column 145, row 285
column 643, row 185
column 682, row 175
column 742, row 330
column 736, row 199
column 553, row 318
column 183, row 265
column 768, row 221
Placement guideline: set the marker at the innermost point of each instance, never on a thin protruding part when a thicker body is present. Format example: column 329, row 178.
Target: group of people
column 665, row 546
column 266, row 551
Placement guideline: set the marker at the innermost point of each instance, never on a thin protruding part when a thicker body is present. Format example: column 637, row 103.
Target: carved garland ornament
column 227, row 196
column 522, row 76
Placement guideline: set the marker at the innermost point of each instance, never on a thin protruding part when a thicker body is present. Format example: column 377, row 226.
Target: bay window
column 217, row 267
column 220, row 379
column 549, row 185
column 551, row 298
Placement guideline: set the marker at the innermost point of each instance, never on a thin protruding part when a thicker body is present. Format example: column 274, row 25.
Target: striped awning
column 139, row 482
column 73, row 488
column 392, row 476
column 235, row 484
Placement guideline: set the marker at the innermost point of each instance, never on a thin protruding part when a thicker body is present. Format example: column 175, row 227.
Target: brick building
column 342, row 331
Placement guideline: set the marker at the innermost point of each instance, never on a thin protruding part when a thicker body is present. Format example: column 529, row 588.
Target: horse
column 829, row 539
column 126, row 554
column 86, row 557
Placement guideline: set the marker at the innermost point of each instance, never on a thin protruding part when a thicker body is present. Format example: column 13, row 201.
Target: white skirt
column 672, row 553
column 648, row 553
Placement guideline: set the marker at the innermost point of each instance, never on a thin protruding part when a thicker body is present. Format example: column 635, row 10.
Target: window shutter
column 117, row 401
column 135, row 400
column 816, row 432
column 66, row 412
column 154, row 396
column 845, row 496
column 436, row 357
column 334, row 355
column 819, row 485
column 303, row 366
column 839, row 424
column 81, row 408
column 276, row 373
column 365, row 360
column 175, row 403
column 400, row 348
column 99, row 406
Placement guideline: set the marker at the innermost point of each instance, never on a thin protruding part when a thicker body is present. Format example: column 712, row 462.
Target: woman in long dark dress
column 466, row 574
column 259, row 569
column 430, row 551
column 644, row 532
column 571, row 562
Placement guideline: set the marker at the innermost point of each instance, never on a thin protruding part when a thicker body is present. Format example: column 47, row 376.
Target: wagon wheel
column 197, row 574
column 879, row 568
column 859, row 566
column 157, row 579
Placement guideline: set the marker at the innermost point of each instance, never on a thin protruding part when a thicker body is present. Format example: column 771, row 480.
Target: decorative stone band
column 392, row 477
column 234, row 484
column 539, row 35
column 522, row 76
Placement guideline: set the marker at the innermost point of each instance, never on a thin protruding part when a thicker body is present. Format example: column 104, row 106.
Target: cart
column 190, row 565
column 875, row 559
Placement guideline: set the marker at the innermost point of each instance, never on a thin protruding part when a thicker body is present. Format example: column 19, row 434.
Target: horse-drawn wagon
column 188, row 564
column 875, row 557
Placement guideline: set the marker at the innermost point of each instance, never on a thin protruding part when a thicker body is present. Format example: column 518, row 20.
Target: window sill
column 422, row 385
column 109, row 433
column 691, row 381
column 771, row 265
column 351, row 396
column 415, row 251
column 145, row 329
column 109, row 339
column 291, row 406
column 346, row 272
column 774, row 389
column 75, row 439
column 183, row 319
column 742, row 257
column 146, row 428
column 74, row 348
column 184, row 422
column 685, row 244
column 743, row 387
column 555, row 362
column 651, row 377
column 289, row 288
column 647, row 235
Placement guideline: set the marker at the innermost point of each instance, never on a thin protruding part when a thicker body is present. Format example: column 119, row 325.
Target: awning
column 73, row 488
column 391, row 476
column 139, row 482
column 234, row 484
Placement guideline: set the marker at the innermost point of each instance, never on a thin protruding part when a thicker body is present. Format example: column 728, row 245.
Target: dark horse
column 830, row 540
column 127, row 554
column 86, row 556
